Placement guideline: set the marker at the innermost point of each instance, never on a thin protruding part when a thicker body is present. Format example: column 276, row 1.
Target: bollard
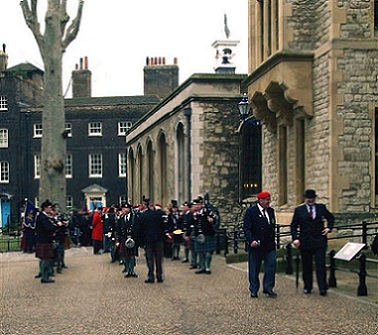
column 289, row 259
column 364, row 234
column 332, row 269
column 362, row 289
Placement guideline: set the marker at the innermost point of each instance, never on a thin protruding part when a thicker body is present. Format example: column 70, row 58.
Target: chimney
column 3, row 61
column 82, row 80
column 160, row 79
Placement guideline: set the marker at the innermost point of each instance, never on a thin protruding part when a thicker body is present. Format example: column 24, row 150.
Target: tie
column 265, row 215
column 311, row 212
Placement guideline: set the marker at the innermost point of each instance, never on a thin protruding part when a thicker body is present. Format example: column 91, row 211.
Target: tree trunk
column 52, row 44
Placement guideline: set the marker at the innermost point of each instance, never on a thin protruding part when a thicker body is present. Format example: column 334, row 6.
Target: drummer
column 175, row 230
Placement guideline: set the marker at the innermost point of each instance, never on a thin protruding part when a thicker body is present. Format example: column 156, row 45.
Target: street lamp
column 244, row 107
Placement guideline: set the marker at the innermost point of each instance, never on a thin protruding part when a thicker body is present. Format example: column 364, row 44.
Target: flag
column 30, row 215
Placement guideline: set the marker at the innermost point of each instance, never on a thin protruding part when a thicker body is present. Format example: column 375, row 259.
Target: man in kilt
column 45, row 232
column 128, row 238
column 204, row 244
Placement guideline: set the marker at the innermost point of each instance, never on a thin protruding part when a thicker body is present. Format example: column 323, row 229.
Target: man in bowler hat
column 260, row 230
column 310, row 226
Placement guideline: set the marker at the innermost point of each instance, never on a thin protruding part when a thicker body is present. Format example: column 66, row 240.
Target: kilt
column 124, row 251
column 208, row 246
column 44, row 251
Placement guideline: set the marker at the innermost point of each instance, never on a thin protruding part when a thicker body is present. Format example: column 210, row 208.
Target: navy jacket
column 257, row 228
column 308, row 230
column 152, row 226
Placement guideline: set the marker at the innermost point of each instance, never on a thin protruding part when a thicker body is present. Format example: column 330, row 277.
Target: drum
column 178, row 236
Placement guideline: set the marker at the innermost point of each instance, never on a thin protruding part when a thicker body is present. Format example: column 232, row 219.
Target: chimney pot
column 86, row 62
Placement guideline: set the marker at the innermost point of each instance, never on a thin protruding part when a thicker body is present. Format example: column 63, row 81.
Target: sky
column 117, row 38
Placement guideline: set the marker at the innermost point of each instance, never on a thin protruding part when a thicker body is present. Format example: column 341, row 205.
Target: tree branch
column 31, row 20
column 73, row 29
column 64, row 17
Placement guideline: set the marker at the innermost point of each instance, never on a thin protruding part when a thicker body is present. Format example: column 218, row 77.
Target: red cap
column 157, row 205
column 263, row 195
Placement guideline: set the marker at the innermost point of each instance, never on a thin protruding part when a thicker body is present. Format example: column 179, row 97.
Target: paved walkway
column 93, row 297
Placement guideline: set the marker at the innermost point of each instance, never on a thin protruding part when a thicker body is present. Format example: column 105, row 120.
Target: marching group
column 124, row 230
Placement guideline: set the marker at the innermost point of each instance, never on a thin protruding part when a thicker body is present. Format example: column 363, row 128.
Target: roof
column 120, row 100
column 28, row 67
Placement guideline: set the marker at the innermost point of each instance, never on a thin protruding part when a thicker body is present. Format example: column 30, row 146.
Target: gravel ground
column 92, row 296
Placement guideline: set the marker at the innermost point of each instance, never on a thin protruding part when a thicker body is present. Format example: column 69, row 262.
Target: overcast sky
column 118, row 35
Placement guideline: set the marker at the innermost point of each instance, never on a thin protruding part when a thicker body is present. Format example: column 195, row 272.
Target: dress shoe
column 254, row 295
column 200, row 271
column 208, row 272
column 47, row 281
column 323, row 293
column 193, row 267
column 271, row 294
column 134, row 275
column 59, row 271
column 185, row 261
column 160, row 280
column 127, row 275
column 149, row 281
column 64, row 266
column 306, row 291
column 38, row 276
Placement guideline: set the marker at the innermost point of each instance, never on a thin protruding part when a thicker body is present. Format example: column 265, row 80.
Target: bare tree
column 52, row 44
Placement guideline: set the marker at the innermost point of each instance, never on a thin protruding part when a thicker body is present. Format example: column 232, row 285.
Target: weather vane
column 226, row 29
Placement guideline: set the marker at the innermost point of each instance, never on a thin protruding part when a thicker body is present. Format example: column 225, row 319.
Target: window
column 4, row 172
column 69, row 201
column 123, row 127
column 95, row 129
column 123, row 199
column 122, row 165
column 3, row 138
column 3, row 103
column 37, row 166
column 95, row 165
column 37, row 130
column 68, row 129
column 68, row 166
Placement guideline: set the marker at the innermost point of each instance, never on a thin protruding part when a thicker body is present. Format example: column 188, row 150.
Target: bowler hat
column 310, row 194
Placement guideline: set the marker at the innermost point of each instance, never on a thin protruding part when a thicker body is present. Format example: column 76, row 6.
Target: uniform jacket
column 308, row 230
column 45, row 229
column 153, row 226
column 257, row 228
column 97, row 226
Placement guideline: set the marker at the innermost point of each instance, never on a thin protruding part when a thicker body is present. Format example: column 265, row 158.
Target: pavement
column 92, row 296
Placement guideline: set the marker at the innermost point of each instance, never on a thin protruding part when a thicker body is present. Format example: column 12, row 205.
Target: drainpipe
column 188, row 114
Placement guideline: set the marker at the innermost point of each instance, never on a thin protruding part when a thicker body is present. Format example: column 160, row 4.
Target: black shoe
column 254, row 295
column 134, row 275
column 64, row 266
column 306, row 291
column 271, row 294
column 193, row 267
column 127, row 275
column 47, row 281
column 208, row 272
column 38, row 276
column 160, row 280
column 185, row 261
column 200, row 271
column 149, row 281
column 323, row 293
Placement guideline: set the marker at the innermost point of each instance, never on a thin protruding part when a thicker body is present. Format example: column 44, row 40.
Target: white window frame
column 122, row 166
column 68, row 166
column 36, row 202
column 69, row 201
column 95, row 129
column 37, row 130
column 68, row 129
column 123, row 127
column 37, row 166
column 95, row 165
column 4, row 138
column 4, row 172
column 3, row 103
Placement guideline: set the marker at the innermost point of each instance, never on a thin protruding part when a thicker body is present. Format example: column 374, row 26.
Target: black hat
column 310, row 194
column 146, row 200
column 46, row 203
column 126, row 205
column 187, row 203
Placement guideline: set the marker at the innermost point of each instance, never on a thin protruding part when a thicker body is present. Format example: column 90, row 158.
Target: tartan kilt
column 44, row 251
column 208, row 246
column 124, row 251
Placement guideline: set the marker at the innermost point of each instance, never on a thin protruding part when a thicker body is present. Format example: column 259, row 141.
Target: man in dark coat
column 260, row 228
column 153, row 227
column 310, row 235
column 45, row 232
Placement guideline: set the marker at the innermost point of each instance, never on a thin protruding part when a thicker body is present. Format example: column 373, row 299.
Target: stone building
column 313, row 83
